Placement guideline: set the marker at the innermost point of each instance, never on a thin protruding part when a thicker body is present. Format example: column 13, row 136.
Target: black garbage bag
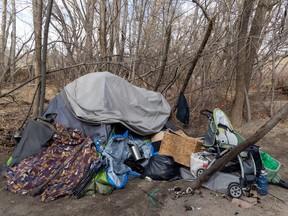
column 162, row 167
column 136, row 166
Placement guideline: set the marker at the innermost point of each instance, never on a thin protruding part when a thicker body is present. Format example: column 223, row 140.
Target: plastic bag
column 198, row 164
column 268, row 161
column 162, row 167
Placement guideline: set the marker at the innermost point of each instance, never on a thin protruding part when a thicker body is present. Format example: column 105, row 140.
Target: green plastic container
column 271, row 166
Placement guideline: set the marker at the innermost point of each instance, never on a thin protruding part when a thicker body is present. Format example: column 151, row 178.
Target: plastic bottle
column 262, row 183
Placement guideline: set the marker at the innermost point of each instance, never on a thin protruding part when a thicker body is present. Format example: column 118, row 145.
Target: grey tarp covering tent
column 102, row 97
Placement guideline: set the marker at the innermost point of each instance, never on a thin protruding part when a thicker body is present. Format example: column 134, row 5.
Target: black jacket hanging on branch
column 182, row 109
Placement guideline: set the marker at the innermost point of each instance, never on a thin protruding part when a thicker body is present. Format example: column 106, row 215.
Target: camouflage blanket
column 36, row 169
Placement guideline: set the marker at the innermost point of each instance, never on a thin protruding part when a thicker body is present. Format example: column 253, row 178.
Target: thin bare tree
column 199, row 51
column 103, row 31
column 37, row 6
column 136, row 58
column 3, row 39
column 167, row 31
column 12, row 62
column 44, row 56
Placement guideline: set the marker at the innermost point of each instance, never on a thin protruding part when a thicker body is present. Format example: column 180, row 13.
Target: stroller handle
column 207, row 113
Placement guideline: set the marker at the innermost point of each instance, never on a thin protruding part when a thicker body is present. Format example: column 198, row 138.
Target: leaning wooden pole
column 259, row 134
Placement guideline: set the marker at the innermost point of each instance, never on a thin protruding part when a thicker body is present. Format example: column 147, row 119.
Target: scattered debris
column 189, row 190
column 147, row 178
column 191, row 208
column 241, row 203
column 174, row 189
column 214, row 194
column 179, row 192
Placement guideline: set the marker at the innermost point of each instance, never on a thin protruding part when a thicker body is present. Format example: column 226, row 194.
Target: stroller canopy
column 220, row 131
column 221, row 118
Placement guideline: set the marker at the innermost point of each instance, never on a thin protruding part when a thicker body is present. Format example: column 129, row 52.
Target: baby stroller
column 239, row 175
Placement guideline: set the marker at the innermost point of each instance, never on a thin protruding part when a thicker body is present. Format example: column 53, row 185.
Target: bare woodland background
column 216, row 52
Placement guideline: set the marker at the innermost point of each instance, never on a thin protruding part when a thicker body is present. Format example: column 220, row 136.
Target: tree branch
column 203, row 10
column 58, row 70
column 196, row 58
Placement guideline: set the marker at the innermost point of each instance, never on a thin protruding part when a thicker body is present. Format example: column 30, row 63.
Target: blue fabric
column 117, row 151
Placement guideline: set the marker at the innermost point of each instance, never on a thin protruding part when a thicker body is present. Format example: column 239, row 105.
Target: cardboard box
column 157, row 137
column 180, row 146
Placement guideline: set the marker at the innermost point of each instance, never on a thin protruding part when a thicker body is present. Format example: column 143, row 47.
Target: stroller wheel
column 200, row 172
column 235, row 191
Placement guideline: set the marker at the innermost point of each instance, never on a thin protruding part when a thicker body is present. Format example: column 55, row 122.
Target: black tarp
column 35, row 139
column 182, row 109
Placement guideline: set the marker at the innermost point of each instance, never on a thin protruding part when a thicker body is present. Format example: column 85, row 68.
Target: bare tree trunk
column 3, row 39
column 246, row 56
column 164, row 56
column 115, row 37
column 260, row 133
column 237, row 108
column 89, row 29
column 248, row 109
column 85, row 14
column 37, row 6
column 123, row 31
column 13, row 39
column 253, row 43
column 229, row 63
column 113, row 29
column 166, row 43
column 131, row 37
column 272, row 78
column 116, row 12
column 75, row 48
column 44, row 56
column 136, row 61
column 103, row 30
column 67, row 40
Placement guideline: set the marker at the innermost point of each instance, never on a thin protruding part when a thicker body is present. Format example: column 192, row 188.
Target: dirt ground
column 133, row 199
